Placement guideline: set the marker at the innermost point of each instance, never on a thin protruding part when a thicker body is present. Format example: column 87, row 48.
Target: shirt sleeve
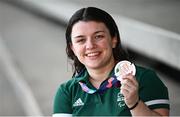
column 62, row 101
column 152, row 91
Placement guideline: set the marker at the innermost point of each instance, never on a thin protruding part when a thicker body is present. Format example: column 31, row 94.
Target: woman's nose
column 90, row 44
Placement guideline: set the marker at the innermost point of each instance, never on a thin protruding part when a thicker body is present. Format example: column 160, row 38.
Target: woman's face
column 92, row 44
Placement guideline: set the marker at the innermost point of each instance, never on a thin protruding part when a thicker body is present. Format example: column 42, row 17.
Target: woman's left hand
column 129, row 89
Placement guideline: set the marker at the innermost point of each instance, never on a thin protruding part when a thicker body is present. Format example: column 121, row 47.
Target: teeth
column 92, row 54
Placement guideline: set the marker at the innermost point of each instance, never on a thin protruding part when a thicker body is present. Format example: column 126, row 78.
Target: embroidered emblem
column 120, row 100
column 78, row 102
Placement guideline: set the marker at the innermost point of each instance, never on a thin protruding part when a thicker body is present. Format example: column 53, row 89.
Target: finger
column 129, row 82
column 125, row 86
column 129, row 92
column 124, row 91
column 131, row 78
column 129, row 86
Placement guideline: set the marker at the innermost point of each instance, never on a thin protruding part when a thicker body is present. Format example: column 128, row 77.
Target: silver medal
column 123, row 68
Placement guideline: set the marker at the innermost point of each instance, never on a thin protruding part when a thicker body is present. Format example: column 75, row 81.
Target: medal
column 123, row 68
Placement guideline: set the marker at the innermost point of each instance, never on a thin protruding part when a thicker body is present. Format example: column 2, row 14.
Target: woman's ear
column 114, row 42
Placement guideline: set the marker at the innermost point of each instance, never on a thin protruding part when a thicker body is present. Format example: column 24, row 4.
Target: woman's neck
column 97, row 76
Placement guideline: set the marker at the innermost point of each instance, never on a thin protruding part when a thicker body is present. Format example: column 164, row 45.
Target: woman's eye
column 80, row 40
column 99, row 36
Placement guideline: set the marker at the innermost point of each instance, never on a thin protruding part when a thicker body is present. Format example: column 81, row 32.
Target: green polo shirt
column 71, row 100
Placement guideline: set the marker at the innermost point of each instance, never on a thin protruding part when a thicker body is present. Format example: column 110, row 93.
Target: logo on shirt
column 120, row 100
column 78, row 102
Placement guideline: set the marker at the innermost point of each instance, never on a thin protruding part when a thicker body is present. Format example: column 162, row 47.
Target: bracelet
column 134, row 106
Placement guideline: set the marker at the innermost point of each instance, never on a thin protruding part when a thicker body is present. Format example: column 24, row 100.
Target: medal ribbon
column 112, row 81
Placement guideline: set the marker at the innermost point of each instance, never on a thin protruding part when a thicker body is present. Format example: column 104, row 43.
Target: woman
column 93, row 43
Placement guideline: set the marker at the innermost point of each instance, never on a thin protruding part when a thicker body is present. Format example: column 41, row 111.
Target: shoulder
column 142, row 72
column 63, row 97
column 147, row 76
column 65, row 91
column 68, row 85
column 72, row 85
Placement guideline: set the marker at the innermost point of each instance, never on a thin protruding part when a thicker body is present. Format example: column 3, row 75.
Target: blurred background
column 33, row 62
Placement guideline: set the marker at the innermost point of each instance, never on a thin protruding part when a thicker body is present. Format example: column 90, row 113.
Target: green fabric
column 111, row 102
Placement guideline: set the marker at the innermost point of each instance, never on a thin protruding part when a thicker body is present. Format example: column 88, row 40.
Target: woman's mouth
column 92, row 54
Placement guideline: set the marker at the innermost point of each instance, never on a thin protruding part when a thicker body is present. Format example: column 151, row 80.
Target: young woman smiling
column 93, row 43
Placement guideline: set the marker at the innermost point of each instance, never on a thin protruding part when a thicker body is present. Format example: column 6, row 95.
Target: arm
column 142, row 110
column 129, row 89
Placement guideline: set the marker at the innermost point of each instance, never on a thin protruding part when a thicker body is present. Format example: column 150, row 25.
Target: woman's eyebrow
column 81, row 36
column 78, row 36
column 99, row 32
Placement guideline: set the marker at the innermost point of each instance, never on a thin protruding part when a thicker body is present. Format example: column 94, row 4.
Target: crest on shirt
column 120, row 100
